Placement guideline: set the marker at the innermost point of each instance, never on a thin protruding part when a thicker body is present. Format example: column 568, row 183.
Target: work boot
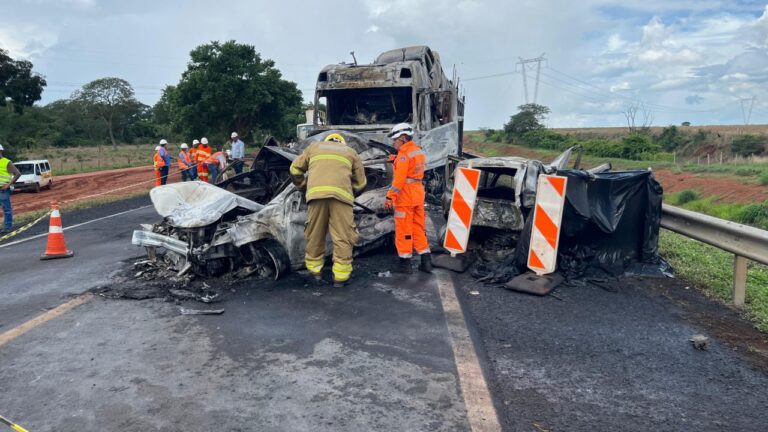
column 404, row 266
column 426, row 263
column 339, row 284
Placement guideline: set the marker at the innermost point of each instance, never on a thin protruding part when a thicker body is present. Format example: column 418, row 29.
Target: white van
column 34, row 175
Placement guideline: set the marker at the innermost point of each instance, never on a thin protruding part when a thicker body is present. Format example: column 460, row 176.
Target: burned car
column 507, row 189
column 256, row 220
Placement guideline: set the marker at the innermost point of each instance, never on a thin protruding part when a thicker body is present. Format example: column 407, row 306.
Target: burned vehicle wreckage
column 253, row 223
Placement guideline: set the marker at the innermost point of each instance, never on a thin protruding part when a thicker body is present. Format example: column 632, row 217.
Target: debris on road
column 385, row 274
column 700, row 342
column 187, row 311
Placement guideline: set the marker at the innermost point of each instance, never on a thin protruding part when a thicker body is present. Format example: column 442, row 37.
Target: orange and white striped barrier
column 56, row 247
column 547, row 219
column 461, row 211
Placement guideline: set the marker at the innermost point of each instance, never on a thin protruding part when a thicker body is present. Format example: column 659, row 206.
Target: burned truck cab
column 401, row 85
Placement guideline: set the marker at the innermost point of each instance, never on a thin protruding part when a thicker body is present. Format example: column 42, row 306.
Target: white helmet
column 184, row 146
column 401, row 129
column 163, row 142
column 1, row 147
column 234, row 135
column 229, row 152
column 204, row 140
column 157, row 148
column 195, row 142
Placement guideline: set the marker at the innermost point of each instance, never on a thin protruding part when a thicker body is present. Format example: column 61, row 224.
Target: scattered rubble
column 699, row 342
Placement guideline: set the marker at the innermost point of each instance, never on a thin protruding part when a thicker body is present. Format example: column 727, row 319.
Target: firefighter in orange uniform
column 202, row 154
column 158, row 162
column 406, row 196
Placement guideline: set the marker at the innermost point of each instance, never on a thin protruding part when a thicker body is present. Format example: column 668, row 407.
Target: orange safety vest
column 203, row 152
column 184, row 160
column 158, row 160
column 214, row 159
column 407, row 188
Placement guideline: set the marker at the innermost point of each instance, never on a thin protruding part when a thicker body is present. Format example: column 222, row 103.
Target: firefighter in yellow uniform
column 333, row 175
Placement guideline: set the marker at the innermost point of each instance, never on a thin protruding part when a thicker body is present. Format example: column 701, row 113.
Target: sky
column 702, row 61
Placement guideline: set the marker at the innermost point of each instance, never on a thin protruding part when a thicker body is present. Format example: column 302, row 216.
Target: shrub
column 764, row 179
column 686, row 196
column 755, row 215
column 745, row 172
column 745, row 145
column 547, row 139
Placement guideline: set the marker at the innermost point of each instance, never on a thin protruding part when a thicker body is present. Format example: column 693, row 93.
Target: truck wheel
column 50, row 185
column 37, row 187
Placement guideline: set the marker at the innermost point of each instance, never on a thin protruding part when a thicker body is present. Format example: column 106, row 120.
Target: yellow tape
column 24, row 228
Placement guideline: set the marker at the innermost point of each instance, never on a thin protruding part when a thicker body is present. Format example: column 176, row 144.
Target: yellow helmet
column 335, row 137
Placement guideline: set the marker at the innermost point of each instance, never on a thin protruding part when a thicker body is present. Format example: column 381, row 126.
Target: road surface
column 394, row 353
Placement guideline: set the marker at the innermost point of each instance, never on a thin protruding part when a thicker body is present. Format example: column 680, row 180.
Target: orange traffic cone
column 56, row 247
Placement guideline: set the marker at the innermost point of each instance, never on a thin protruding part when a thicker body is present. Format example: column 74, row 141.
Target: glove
column 389, row 205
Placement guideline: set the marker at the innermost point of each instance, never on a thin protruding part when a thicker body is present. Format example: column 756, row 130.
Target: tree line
column 527, row 128
column 226, row 87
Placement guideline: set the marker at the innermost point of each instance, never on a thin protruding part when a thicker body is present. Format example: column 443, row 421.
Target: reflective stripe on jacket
column 203, row 153
column 407, row 188
column 185, row 160
column 5, row 175
column 333, row 170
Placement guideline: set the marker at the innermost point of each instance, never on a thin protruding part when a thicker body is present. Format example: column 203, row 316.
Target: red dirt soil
column 724, row 188
column 69, row 188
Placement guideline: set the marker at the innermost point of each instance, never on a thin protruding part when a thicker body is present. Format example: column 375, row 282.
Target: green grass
column 711, row 269
column 75, row 160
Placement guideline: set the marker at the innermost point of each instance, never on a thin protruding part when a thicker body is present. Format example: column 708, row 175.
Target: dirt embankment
column 724, row 188
column 74, row 187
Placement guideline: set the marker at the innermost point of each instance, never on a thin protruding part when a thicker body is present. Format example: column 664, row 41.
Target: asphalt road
column 379, row 355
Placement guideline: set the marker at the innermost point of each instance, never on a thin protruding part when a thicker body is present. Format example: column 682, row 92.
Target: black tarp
column 610, row 222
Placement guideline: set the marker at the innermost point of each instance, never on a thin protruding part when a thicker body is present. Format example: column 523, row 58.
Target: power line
column 489, row 76
column 524, row 66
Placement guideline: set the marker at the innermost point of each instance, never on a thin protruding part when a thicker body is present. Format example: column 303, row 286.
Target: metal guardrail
column 743, row 241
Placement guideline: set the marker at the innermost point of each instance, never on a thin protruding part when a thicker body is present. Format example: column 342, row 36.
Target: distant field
column 613, row 132
column 86, row 159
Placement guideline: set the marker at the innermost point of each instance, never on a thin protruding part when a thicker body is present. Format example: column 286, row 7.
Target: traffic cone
column 56, row 247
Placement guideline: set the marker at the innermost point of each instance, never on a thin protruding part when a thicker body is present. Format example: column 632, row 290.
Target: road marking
column 72, row 226
column 477, row 398
column 44, row 318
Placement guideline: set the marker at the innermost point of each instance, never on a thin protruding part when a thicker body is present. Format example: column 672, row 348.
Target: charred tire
column 268, row 253
column 213, row 267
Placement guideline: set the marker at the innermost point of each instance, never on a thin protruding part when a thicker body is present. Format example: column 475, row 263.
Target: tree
column 638, row 117
column 109, row 99
column 530, row 117
column 18, row 83
column 229, row 87
column 747, row 145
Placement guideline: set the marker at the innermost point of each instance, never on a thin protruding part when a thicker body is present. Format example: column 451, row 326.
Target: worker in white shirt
column 238, row 153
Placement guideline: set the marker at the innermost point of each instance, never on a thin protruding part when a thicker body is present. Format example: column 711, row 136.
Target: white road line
column 474, row 389
column 72, row 226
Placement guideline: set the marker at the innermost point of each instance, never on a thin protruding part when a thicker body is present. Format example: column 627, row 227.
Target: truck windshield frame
column 369, row 106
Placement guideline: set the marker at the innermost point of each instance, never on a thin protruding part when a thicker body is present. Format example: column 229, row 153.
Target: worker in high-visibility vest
column 185, row 163
column 158, row 162
column 165, row 168
column 193, row 158
column 8, row 176
column 216, row 164
column 406, row 197
column 203, row 153
column 332, row 174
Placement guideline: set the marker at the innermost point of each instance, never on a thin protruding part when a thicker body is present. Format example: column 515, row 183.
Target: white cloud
column 620, row 87
column 25, row 41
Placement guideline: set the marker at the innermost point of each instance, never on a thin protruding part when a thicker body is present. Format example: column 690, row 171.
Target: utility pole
column 524, row 66
column 747, row 112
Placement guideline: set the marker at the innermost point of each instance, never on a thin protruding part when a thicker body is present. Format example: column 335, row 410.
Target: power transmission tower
column 524, row 66
column 747, row 112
